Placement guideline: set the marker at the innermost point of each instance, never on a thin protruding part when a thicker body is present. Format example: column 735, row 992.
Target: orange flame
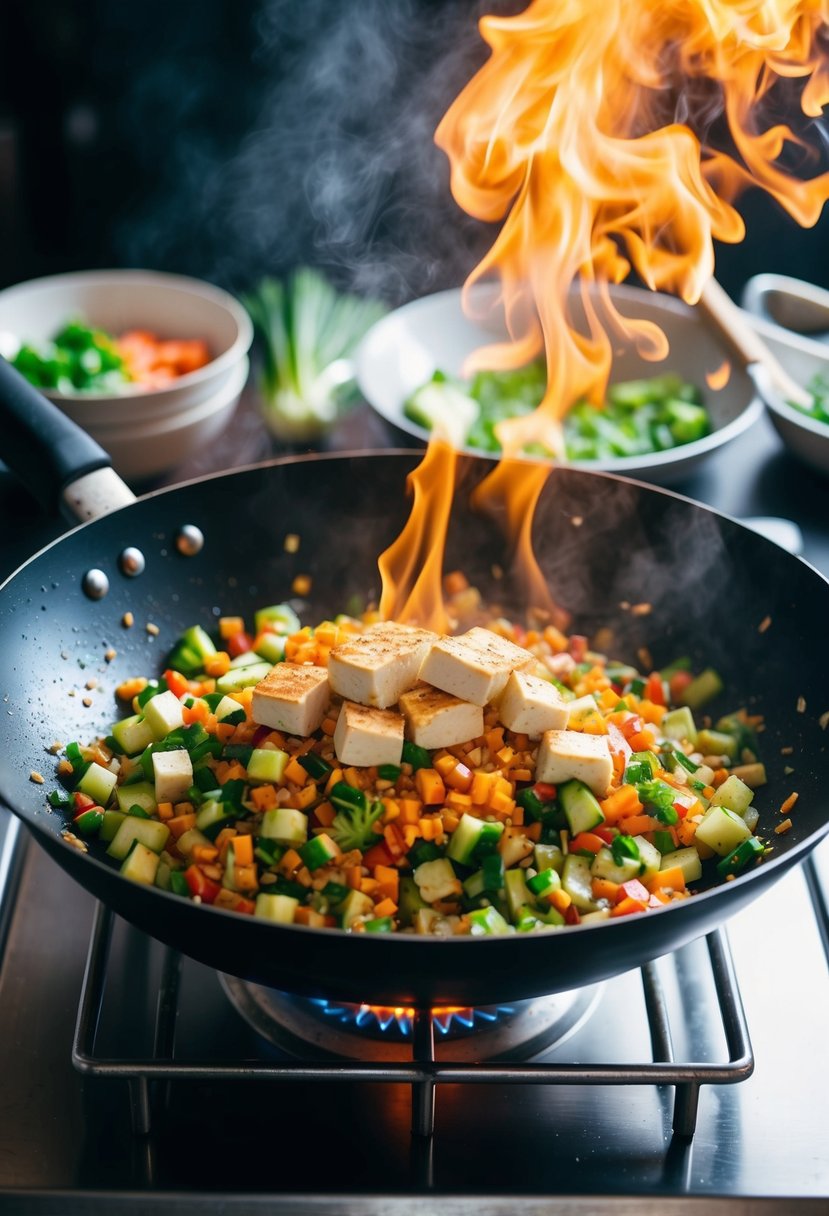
column 615, row 135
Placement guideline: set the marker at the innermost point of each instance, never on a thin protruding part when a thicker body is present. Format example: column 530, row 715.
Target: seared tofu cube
column 437, row 719
column 365, row 736
column 564, row 754
column 173, row 773
column 474, row 666
column 293, row 698
column 375, row 667
column 530, row 705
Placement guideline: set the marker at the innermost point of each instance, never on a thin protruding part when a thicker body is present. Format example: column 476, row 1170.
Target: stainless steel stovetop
column 68, row 1142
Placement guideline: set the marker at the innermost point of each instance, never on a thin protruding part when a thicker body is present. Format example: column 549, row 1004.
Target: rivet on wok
column 189, row 540
column 132, row 562
column 95, row 584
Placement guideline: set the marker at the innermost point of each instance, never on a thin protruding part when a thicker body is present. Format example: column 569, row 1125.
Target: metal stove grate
column 424, row 1072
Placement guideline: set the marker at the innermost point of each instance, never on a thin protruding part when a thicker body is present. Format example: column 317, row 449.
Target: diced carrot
column 180, row 824
column 672, row 878
column 494, row 739
column 605, row 888
column 388, row 880
column 334, row 776
column 306, row 797
column 481, row 788
column 533, row 831
column 325, row 814
column 309, row 917
column 628, row 906
column 621, row 804
column 289, row 862
column 586, row 841
column 295, row 772
column 386, row 907
column 230, row 625
column 459, row 777
column 165, row 810
column 521, row 774
column 429, row 786
column 369, row 885
column 637, row 825
column 205, row 853
column 217, row 664
column 642, row 741
column 458, row 801
column 243, row 850
column 263, row 797
column 560, row 900
column 686, row 831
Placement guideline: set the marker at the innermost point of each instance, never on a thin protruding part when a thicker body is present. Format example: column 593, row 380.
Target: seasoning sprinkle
column 301, row 584
column 823, row 720
column 90, row 684
column 128, row 620
column 291, row 543
column 786, row 751
column 801, row 705
column 87, row 702
column 152, row 630
column 54, row 748
column 641, row 609
column 110, row 654
column 37, row 777
column 75, row 842
column 764, row 624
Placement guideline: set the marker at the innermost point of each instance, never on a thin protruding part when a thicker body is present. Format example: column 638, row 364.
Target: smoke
column 319, row 149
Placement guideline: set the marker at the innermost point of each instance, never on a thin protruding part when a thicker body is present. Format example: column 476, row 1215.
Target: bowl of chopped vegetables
column 776, row 302
column 134, row 357
column 658, row 422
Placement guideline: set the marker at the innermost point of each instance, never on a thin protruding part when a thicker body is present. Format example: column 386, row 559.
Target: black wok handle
column 44, row 448
column 41, row 445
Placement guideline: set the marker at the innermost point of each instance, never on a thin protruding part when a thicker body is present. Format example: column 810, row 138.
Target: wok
column 711, row 583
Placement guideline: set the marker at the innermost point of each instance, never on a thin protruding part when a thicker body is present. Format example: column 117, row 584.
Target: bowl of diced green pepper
column 657, row 422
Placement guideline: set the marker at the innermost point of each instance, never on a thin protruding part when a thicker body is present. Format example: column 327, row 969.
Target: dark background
column 230, row 138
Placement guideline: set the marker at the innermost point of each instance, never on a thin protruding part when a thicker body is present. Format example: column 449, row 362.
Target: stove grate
column 424, row 1072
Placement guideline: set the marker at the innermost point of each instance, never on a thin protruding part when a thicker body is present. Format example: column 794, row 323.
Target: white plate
column 406, row 346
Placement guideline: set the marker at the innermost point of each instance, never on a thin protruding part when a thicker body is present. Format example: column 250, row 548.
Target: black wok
column 711, row 582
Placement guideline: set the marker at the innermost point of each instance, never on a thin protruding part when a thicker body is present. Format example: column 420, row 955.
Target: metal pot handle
column 61, row 465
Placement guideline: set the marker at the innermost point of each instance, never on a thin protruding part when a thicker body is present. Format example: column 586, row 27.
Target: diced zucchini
column 716, row 743
column 580, row 806
column 285, row 825
column 271, row 647
column 212, row 816
column 678, row 724
column 517, row 893
column 278, row 908
column 242, row 677
column 280, row 617
column 604, row 865
column 486, row 921
column 410, row 902
column 267, row 764
column 722, row 830
column 733, row 794
column 229, row 711
column 318, row 851
column 162, row 874
column 110, row 824
column 163, row 713
column 688, row 861
column 650, row 859
column 98, row 783
column 425, row 919
column 751, row 818
column 189, row 840
column 149, row 832
column 589, row 918
column 548, row 857
column 473, row 838
column 579, row 710
column 514, row 849
column 142, row 794
column 707, row 685
column 355, row 905
column 577, row 880
column 132, row 734
column 141, row 864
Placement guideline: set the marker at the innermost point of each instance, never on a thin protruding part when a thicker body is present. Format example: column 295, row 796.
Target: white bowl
column 171, row 306
column 803, row 357
column 406, row 346
column 147, row 448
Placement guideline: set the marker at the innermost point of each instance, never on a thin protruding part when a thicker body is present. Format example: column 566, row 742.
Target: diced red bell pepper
column 260, row 734
column 616, row 741
column 605, row 833
column 578, row 647
column 655, row 689
column 201, row 885
column 176, row 682
column 632, row 726
column 544, row 791
column 240, row 643
column 681, row 810
column 82, row 802
column 626, row 907
column 678, row 682
column 571, row 915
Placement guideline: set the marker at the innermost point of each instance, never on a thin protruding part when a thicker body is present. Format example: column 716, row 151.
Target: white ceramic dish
column 803, row 357
column 146, row 449
column 406, row 346
column 172, row 306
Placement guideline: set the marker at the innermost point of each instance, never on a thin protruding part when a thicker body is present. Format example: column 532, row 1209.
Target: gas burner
column 338, row 1030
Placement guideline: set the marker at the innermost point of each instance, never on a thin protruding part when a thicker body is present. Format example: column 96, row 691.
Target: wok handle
column 48, row 452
